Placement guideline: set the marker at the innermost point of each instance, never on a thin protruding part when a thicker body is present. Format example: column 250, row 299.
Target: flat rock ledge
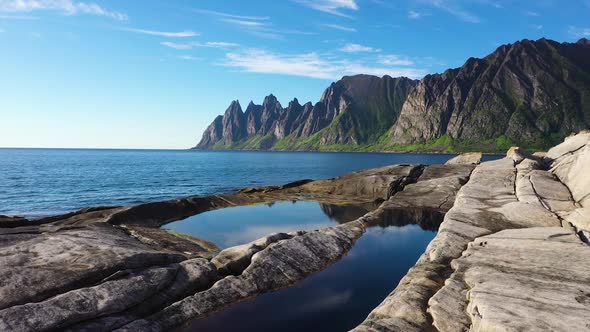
column 511, row 251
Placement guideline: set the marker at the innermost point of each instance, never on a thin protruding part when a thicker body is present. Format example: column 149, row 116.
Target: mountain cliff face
column 355, row 110
column 527, row 91
column 530, row 93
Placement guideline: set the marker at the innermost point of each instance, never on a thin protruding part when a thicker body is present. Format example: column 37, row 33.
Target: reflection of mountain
column 343, row 213
column 428, row 219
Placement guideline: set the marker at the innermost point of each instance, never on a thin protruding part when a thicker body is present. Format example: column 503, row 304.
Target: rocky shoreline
column 511, row 251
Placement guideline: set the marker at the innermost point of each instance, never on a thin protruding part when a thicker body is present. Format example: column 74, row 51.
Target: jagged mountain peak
column 583, row 41
column 234, row 107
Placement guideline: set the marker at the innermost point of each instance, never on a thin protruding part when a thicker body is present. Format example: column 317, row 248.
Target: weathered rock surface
column 511, row 193
column 279, row 265
column 374, row 184
column 570, row 161
column 470, row 158
column 37, row 266
column 534, row 279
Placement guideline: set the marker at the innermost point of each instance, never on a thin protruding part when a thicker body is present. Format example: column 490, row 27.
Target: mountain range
column 530, row 93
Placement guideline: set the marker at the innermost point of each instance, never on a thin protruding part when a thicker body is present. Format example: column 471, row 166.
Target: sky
column 154, row 74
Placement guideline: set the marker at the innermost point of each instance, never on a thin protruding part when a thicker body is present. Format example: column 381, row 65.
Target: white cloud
column 178, row 46
column 530, row 13
column 333, row 7
column 455, row 8
column 221, row 44
column 356, row 48
column 536, row 26
column 414, row 15
column 187, row 57
column 579, row 32
column 255, row 25
column 394, row 60
column 180, row 34
column 311, row 65
column 68, row 7
column 339, row 27
column 237, row 17
column 188, row 46
column 244, row 22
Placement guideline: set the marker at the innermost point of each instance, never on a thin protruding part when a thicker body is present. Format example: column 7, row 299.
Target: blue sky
column 154, row 74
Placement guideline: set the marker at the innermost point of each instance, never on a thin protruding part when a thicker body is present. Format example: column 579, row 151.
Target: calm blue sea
column 41, row 182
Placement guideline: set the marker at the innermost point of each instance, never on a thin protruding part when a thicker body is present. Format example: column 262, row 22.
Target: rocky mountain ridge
column 530, row 93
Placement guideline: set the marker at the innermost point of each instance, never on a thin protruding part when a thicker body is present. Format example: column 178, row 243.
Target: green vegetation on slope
column 444, row 144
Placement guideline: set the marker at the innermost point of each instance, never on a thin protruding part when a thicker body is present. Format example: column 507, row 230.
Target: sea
column 41, row 182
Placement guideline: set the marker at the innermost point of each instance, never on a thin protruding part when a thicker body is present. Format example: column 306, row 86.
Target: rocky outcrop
column 470, row 158
column 472, row 246
column 530, row 93
column 510, row 253
column 533, row 279
column 280, row 265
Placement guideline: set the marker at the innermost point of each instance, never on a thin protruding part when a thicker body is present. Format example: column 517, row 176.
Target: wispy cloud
column 394, row 60
column 255, row 25
column 339, row 27
column 188, row 46
column 536, row 26
column 309, row 65
column 227, row 15
column 333, row 7
column 414, row 15
column 357, row 48
column 179, row 34
column 187, row 57
column 244, row 22
column 68, row 7
column 455, row 8
column 576, row 32
column 530, row 13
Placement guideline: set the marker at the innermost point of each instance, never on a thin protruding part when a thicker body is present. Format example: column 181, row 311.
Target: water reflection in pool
column 338, row 298
column 242, row 224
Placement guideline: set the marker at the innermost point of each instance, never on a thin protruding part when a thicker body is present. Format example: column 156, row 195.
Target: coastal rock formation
column 481, row 258
column 280, row 265
column 470, row 158
column 530, row 93
column 535, row 279
column 511, row 252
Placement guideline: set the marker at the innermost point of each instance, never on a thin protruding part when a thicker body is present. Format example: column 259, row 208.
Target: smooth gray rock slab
column 279, row 265
column 570, row 144
column 38, row 266
column 534, row 279
column 192, row 276
column 573, row 170
column 84, row 303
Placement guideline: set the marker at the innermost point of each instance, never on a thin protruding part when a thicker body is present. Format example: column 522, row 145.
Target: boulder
column 469, row 158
